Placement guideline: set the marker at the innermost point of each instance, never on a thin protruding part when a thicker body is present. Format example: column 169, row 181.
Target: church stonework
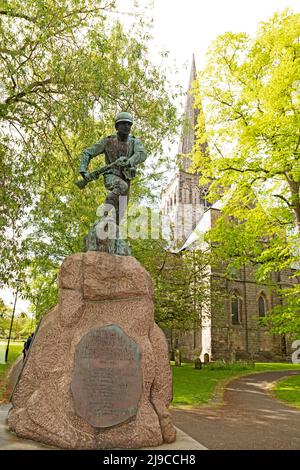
column 228, row 328
column 183, row 201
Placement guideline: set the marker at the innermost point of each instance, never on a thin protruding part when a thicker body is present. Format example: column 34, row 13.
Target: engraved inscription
column 107, row 377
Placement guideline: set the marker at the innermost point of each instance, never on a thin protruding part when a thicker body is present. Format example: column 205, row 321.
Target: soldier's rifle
column 129, row 173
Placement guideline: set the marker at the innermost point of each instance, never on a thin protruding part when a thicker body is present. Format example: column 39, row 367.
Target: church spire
column 189, row 122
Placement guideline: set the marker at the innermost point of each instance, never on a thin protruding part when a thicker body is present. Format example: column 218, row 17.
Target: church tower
column 189, row 123
column 183, row 200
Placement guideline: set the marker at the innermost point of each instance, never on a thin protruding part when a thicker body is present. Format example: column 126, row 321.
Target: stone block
column 99, row 341
column 124, row 277
column 71, row 274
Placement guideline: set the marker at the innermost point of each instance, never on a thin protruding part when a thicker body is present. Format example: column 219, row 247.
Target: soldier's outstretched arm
column 139, row 154
column 90, row 153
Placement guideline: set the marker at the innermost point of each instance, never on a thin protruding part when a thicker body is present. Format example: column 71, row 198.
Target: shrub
column 238, row 365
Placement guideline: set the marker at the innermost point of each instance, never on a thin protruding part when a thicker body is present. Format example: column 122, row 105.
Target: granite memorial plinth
column 97, row 375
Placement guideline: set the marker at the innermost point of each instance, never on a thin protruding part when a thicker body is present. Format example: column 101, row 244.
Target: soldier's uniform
column 115, row 180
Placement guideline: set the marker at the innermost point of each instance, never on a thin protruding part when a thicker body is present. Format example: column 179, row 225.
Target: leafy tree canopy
column 181, row 288
column 250, row 90
column 67, row 68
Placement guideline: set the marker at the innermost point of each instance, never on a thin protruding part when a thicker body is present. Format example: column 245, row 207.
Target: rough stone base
column 96, row 290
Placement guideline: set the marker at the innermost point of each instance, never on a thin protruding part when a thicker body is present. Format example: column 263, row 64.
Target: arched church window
column 261, row 306
column 174, row 199
column 235, row 309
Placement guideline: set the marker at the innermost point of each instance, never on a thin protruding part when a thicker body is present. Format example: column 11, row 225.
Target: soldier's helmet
column 123, row 117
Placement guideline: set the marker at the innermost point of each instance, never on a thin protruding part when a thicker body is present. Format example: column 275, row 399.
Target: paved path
column 249, row 419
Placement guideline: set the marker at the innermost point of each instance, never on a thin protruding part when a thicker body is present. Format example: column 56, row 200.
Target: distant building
column 184, row 200
column 227, row 329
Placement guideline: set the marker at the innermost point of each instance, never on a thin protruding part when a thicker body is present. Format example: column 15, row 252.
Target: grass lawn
column 15, row 349
column 194, row 387
column 288, row 390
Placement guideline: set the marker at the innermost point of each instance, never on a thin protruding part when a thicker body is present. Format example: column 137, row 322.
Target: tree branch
column 30, row 89
column 297, row 146
column 16, row 14
column 283, row 199
column 63, row 143
column 252, row 170
column 218, row 150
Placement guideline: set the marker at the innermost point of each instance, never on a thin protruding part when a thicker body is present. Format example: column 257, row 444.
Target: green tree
column 67, row 68
column 181, row 287
column 250, row 89
column 24, row 326
column 5, row 318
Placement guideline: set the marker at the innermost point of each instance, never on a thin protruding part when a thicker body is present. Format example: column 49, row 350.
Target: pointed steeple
column 189, row 122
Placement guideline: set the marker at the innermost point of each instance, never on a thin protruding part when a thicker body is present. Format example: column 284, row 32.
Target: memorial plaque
column 107, row 377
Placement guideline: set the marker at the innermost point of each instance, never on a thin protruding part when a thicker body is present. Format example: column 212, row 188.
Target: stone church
column 228, row 330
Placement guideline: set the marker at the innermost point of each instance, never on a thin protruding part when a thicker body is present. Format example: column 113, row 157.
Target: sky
column 187, row 27
column 184, row 27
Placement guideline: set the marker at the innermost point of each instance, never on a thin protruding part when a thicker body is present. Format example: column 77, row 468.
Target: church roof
column 195, row 239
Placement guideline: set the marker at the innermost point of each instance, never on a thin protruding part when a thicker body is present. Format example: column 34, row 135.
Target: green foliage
column 15, row 349
column 285, row 317
column 4, row 310
column 239, row 365
column 180, row 282
column 67, row 68
column 250, row 89
column 288, row 390
column 22, row 325
column 5, row 317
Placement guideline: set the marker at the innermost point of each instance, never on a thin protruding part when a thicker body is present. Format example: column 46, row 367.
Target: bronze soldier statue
column 123, row 152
